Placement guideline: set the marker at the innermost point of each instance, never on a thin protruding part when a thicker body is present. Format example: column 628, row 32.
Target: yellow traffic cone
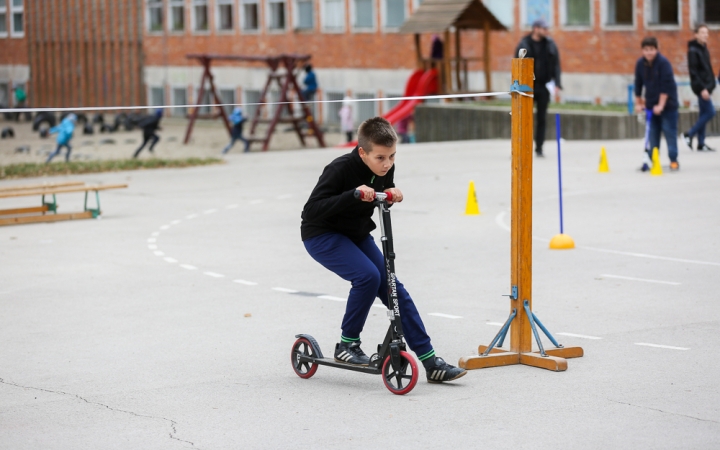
column 604, row 167
column 656, row 169
column 562, row 242
column 471, row 207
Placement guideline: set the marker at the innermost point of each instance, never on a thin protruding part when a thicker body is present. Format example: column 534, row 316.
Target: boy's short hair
column 700, row 26
column 376, row 131
column 649, row 41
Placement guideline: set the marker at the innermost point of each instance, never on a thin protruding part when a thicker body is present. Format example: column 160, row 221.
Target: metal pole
column 557, row 132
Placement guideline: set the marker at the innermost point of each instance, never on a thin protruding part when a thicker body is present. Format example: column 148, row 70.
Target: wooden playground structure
column 283, row 71
column 451, row 18
column 521, row 323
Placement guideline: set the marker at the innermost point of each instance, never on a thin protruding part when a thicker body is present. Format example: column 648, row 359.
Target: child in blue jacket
column 237, row 120
column 65, row 133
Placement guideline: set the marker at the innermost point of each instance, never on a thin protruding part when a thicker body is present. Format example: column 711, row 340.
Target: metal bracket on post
column 533, row 321
column 95, row 212
column 513, row 293
column 50, row 206
column 501, row 334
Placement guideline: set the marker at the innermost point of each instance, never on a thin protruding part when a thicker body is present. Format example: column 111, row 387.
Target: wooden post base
column 555, row 361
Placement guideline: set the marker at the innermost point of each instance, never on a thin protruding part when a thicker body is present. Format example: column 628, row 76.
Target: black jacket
column 553, row 63
column 332, row 206
column 657, row 78
column 701, row 71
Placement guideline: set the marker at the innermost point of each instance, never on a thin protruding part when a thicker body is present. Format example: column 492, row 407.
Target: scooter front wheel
column 303, row 369
column 401, row 381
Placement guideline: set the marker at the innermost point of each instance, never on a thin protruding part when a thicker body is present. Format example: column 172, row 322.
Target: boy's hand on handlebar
column 397, row 196
column 367, row 193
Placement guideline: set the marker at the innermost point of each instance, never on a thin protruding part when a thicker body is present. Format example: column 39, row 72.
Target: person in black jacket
column 547, row 74
column 654, row 73
column 702, row 82
column 335, row 230
column 149, row 125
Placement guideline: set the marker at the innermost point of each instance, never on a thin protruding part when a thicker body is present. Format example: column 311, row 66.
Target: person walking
column 654, row 73
column 542, row 48
column 347, row 118
column 238, row 121
column 149, row 125
column 702, row 82
column 310, row 82
column 65, row 131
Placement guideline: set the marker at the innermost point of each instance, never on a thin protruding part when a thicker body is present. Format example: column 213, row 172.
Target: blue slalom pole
column 557, row 132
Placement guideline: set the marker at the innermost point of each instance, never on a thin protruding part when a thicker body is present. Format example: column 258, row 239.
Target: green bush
column 28, row 170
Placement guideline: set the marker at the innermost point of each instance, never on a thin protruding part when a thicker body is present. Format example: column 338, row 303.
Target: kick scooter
column 397, row 367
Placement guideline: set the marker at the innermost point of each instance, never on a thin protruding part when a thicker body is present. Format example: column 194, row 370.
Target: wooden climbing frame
column 522, row 323
column 283, row 72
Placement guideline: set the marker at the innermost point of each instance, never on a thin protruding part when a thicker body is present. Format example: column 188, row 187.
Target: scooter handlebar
column 387, row 196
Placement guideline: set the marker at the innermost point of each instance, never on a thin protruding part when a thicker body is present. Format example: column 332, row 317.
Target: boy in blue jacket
column 64, row 134
column 237, row 120
column 336, row 229
column 654, row 72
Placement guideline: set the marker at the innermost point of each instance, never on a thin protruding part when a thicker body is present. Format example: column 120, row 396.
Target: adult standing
column 702, row 82
column 542, row 48
column 655, row 73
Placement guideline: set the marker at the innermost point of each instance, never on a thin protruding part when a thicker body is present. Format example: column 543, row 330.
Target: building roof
column 434, row 16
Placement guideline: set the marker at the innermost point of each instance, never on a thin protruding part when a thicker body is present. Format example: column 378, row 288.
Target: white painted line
column 494, row 324
column 581, row 336
column 214, row 275
column 670, row 347
column 233, row 206
column 170, row 260
column 188, row 267
column 191, row 216
column 257, row 202
column 210, row 211
column 155, row 233
column 158, row 253
column 245, row 282
column 283, row 197
column 447, row 316
column 165, row 227
column 330, row 297
column 644, row 255
column 286, row 290
column 151, row 240
column 175, row 222
column 620, row 277
column 152, row 247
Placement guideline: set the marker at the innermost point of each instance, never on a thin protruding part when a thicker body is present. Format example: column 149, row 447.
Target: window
column 577, row 13
column 18, row 22
column 390, row 104
column 3, row 18
column 251, row 96
column 276, row 15
column 365, row 110
column 305, row 15
column 179, row 98
column 394, row 13
column 251, row 16
column 333, row 15
column 708, row 11
column 225, row 16
column 620, row 12
column 155, row 16
column 205, row 100
column 200, row 15
column 4, row 95
column 664, row 12
column 227, row 97
column 537, row 9
column 157, row 96
column 502, row 10
column 177, row 15
column 333, row 109
column 364, row 16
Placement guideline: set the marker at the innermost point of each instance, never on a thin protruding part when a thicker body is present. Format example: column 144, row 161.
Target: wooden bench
column 38, row 213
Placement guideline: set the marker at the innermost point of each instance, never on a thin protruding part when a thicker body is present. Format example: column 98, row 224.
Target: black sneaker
column 539, row 153
column 351, row 353
column 688, row 140
column 705, row 148
column 441, row 371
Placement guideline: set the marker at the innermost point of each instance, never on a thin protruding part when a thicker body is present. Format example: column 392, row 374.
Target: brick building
column 98, row 52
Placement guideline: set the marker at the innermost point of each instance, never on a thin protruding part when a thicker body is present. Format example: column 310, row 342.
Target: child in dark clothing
column 336, row 233
column 238, row 120
column 149, row 125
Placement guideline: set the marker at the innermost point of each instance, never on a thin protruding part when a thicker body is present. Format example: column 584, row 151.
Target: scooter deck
column 371, row 369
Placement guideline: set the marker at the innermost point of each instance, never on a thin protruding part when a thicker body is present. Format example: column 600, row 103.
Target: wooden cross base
column 555, row 361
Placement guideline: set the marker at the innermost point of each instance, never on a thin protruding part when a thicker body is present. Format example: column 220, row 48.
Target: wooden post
column 446, row 63
column 458, row 63
column 521, row 241
column 418, row 52
column 486, row 57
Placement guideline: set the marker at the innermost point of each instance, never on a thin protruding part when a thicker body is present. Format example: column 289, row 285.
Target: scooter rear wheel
column 302, row 347
column 404, row 380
